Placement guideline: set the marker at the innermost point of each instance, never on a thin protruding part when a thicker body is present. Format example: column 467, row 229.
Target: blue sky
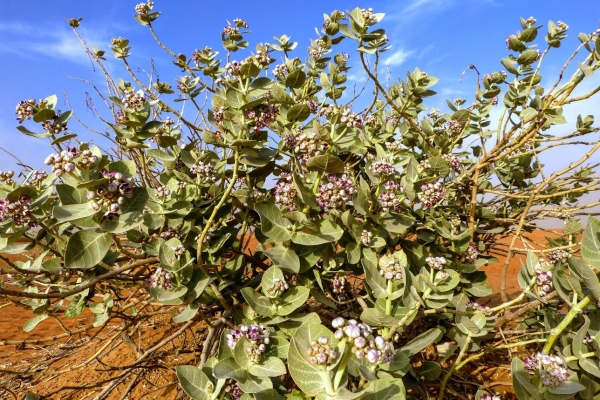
column 40, row 55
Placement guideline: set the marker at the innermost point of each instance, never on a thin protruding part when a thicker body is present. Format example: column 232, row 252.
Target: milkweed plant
column 373, row 214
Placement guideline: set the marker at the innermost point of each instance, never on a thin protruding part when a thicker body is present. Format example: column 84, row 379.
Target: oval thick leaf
column 284, row 258
column 325, row 163
column 85, row 249
column 193, row 381
column 271, row 366
column 590, row 245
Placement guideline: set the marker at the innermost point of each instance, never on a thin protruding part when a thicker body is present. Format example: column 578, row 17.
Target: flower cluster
column 144, row 8
column 312, row 105
column 160, row 279
column 285, row 193
column 382, row 167
column 372, row 120
column 263, row 59
column 19, row 211
column 558, row 255
column 280, row 70
column 366, row 237
column 335, row 193
column 455, row 126
column 134, row 100
column 6, row 177
column 436, row 262
column 321, row 352
column 552, row 368
column 257, row 335
column 562, row 26
column 328, row 110
column 473, row 305
column 307, row 145
column 234, row 391
column 263, row 116
column 487, row 396
column 368, row 15
column 233, row 68
column 434, row 114
column 338, row 284
column 350, row 119
column 364, row 344
column 432, row 194
column 544, row 281
column 391, row 270
column 453, row 161
column 179, row 250
column 163, row 192
column 351, row 329
column 109, row 198
column 36, row 177
column 24, row 110
column 389, row 198
column 53, row 126
column 205, row 172
column 471, row 253
column 278, row 287
column 218, row 115
column 169, row 233
column 63, row 162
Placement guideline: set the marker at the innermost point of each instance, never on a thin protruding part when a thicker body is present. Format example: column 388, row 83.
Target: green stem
column 326, row 379
column 575, row 310
column 463, row 351
column 224, row 198
column 341, row 368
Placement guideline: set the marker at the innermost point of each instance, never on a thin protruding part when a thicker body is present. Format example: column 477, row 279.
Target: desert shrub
column 373, row 216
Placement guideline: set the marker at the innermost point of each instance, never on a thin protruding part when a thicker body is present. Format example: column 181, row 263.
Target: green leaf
column 27, row 132
column 188, row 313
column 567, row 387
column 127, row 168
column 295, row 79
column 325, row 163
column 376, row 318
column 32, row 322
column 528, row 57
column 586, row 274
column 421, row 341
column 388, row 389
column 397, row 223
column 43, row 115
column 193, row 381
column 578, row 347
column 521, row 380
column 328, row 232
column 228, row 368
column 85, row 249
column 71, row 195
column 284, row 257
column 430, row 370
column 374, row 279
column 590, row 245
column 272, row 222
column 272, row 366
column 439, row 166
column 590, row 367
column 298, row 113
column 305, row 375
column 293, row 299
column 72, row 212
column 168, row 295
column 260, row 304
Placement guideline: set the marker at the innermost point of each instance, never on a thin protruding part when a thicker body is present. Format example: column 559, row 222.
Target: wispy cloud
column 411, row 10
column 398, row 57
column 31, row 41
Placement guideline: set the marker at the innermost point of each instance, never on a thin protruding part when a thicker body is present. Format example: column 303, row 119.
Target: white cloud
column 30, row 41
column 397, row 58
